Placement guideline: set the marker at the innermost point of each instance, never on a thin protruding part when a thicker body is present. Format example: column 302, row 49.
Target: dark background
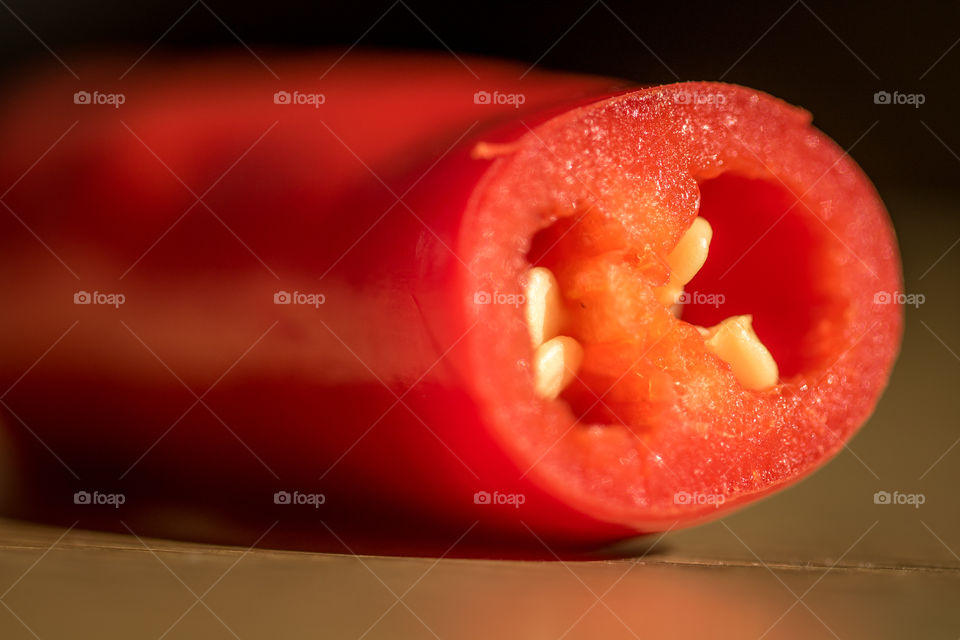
column 828, row 57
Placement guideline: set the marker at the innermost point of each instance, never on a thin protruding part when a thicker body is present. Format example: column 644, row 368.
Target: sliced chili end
column 769, row 237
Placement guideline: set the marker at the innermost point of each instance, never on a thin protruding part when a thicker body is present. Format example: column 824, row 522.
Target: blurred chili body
column 241, row 286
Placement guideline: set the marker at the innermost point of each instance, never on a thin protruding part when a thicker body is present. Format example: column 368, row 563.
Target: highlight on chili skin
column 598, row 313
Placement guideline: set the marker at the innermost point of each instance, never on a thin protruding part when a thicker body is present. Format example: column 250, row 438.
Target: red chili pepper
column 223, row 287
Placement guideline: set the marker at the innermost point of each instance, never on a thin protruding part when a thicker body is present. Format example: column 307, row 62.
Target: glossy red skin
column 312, row 399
